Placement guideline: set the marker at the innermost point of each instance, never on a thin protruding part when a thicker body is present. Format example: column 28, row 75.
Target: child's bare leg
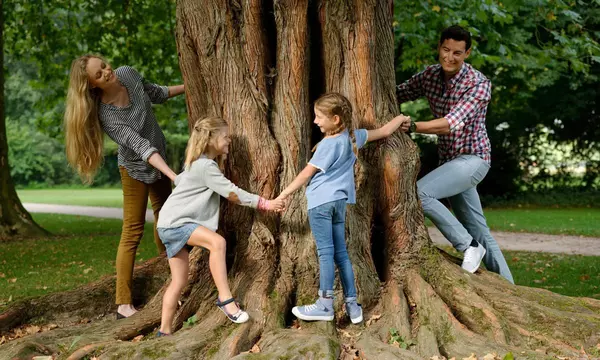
column 216, row 245
column 179, row 265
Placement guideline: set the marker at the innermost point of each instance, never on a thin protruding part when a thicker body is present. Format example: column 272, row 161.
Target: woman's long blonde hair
column 84, row 139
column 331, row 104
column 202, row 132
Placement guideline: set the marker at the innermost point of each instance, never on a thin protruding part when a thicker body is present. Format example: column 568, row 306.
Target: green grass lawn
column 84, row 197
column 573, row 275
column 568, row 221
column 82, row 250
column 560, row 221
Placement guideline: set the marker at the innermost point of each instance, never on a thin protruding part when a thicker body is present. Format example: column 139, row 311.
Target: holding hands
column 406, row 123
column 277, row 205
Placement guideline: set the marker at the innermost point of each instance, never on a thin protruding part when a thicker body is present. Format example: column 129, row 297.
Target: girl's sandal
column 161, row 334
column 239, row 317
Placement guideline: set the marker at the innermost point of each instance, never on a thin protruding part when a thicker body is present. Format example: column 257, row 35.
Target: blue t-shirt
column 335, row 160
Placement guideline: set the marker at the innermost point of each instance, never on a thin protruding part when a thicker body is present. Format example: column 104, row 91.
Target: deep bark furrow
column 292, row 129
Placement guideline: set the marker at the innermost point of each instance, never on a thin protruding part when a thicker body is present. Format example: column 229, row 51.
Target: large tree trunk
column 260, row 65
column 15, row 221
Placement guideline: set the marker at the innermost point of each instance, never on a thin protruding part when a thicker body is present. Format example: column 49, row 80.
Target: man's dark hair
column 456, row 33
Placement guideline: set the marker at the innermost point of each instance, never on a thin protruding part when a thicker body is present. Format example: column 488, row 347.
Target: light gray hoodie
column 197, row 196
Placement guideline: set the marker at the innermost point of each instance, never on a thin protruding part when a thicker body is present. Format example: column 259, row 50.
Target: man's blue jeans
column 457, row 180
column 327, row 223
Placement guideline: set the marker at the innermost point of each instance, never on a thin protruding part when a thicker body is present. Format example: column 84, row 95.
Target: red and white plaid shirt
column 463, row 103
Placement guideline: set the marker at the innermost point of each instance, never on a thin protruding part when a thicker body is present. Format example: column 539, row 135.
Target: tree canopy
column 543, row 58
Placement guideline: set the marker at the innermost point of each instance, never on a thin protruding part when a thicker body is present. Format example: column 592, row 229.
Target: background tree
column 542, row 58
column 15, row 222
column 260, row 65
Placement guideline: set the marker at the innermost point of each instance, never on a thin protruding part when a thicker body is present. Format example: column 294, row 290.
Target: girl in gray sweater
column 190, row 216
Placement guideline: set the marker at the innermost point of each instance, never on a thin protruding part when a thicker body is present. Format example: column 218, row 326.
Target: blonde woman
column 118, row 102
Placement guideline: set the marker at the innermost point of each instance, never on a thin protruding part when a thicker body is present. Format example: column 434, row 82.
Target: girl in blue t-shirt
column 330, row 178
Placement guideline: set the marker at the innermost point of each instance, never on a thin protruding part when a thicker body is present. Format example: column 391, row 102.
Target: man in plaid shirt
column 458, row 97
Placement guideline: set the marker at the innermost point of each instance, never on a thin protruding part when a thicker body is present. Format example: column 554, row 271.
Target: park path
column 562, row 244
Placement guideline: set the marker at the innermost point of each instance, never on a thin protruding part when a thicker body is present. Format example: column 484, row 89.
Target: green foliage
column 558, row 197
column 191, row 321
column 397, row 340
column 35, row 158
column 39, row 161
column 74, row 342
column 543, row 58
column 508, row 356
column 42, row 38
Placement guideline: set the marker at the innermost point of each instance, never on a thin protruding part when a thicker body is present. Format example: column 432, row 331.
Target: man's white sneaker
column 473, row 256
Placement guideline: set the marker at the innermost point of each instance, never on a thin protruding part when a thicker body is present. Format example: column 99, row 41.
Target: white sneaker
column 473, row 256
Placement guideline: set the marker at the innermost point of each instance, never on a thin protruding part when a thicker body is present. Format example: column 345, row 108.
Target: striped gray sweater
column 134, row 127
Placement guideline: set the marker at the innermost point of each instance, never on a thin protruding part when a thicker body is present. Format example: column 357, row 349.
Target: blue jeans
column 327, row 223
column 457, row 180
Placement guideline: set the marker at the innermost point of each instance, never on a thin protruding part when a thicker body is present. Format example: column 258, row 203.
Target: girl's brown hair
column 332, row 104
column 202, row 132
column 84, row 139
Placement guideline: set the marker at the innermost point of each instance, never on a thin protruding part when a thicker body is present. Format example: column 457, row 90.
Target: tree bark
column 260, row 64
column 15, row 221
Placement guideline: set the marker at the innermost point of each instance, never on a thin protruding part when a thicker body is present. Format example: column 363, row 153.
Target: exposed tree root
column 86, row 302
column 296, row 344
column 371, row 348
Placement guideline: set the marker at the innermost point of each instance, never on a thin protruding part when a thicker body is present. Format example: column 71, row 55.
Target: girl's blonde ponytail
column 201, row 134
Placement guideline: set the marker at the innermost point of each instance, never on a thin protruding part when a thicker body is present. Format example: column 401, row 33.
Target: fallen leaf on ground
column 373, row 318
column 491, row 357
column 13, row 280
column 349, row 352
column 345, row 333
column 472, row 357
column 137, row 338
column 32, row 329
column 255, row 349
column 42, row 358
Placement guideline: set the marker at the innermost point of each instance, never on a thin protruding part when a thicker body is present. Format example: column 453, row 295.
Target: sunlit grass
column 81, row 250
